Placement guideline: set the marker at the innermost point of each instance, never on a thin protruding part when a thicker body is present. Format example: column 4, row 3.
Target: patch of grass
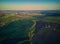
column 8, row 18
column 52, row 19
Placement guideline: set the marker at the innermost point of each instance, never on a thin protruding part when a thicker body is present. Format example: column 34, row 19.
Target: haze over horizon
column 29, row 5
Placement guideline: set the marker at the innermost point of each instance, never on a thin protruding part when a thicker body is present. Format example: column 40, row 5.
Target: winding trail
column 31, row 33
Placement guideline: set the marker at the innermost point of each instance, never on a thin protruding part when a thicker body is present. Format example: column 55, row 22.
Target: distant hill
column 39, row 11
column 52, row 14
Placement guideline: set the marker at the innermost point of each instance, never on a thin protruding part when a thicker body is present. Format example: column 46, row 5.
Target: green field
column 52, row 19
column 13, row 26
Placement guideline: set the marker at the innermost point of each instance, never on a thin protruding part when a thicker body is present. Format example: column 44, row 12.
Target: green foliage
column 7, row 18
column 52, row 19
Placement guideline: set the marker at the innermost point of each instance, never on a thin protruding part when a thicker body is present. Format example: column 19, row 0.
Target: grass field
column 52, row 19
column 14, row 26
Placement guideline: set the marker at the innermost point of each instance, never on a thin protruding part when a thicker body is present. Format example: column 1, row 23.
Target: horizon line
column 37, row 9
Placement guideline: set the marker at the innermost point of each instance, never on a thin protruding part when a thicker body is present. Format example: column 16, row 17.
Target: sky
column 29, row 4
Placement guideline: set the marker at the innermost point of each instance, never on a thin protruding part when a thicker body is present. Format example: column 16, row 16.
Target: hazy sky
column 29, row 4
